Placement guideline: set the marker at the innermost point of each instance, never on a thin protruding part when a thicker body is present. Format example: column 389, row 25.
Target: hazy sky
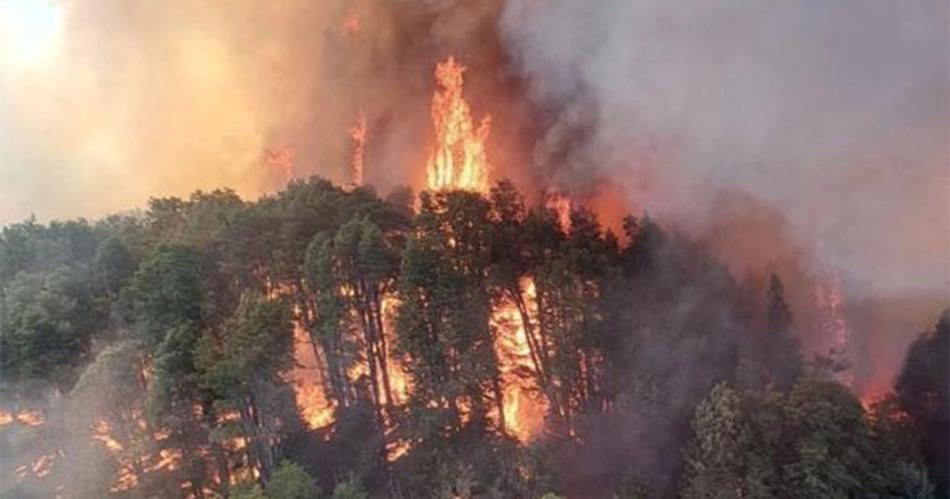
column 832, row 114
column 104, row 103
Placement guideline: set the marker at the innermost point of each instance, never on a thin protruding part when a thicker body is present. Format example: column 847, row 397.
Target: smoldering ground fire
column 801, row 141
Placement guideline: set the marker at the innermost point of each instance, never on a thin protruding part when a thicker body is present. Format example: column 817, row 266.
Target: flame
column 523, row 409
column 399, row 383
column 396, row 449
column 315, row 407
column 458, row 159
column 831, row 303
column 124, row 481
column 168, row 459
column 130, row 458
column 102, row 432
column 280, row 160
column 561, row 205
column 30, row 418
column 871, row 395
column 43, row 465
column 398, row 379
column 358, row 134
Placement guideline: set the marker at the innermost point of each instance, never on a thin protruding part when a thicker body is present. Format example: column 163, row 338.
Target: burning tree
column 475, row 345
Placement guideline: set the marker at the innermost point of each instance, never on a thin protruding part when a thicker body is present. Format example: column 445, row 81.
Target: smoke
column 128, row 100
column 806, row 138
column 833, row 115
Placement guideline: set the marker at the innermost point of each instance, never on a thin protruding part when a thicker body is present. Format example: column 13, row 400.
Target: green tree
column 164, row 292
column 365, row 268
column 113, row 264
column 444, row 317
column 923, row 392
column 349, row 488
column 725, row 459
column 829, row 441
column 329, row 325
column 901, row 472
column 443, row 325
column 47, row 323
column 290, row 481
column 247, row 491
column 244, row 368
column 109, row 398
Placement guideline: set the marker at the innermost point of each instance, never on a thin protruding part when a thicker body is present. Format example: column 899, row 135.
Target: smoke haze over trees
column 152, row 356
column 717, row 270
column 803, row 128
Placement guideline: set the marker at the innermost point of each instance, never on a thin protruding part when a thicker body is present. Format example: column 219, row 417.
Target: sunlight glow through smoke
column 29, row 31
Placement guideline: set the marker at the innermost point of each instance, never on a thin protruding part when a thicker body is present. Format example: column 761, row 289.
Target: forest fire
column 280, row 160
column 561, row 205
column 358, row 134
column 458, row 159
column 29, row 418
column 524, row 408
column 830, row 301
column 462, row 249
column 315, row 408
column 102, row 432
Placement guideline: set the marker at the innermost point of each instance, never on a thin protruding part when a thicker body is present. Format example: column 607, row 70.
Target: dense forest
column 152, row 355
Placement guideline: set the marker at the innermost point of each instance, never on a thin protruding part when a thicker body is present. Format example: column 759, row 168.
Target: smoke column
column 833, row 114
column 805, row 138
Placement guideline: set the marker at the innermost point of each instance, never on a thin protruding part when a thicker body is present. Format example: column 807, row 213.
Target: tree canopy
column 162, row 354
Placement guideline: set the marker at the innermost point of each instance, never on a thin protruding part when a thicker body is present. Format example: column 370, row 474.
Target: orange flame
column 358, row 134
column 315, row 407
column 458, row 159
column 398, row 380
column 562, row 206
column 42, row 466
column 871, row 395
column 30, row 418
column 523, row 409
column 102, row 432
column 281, row 160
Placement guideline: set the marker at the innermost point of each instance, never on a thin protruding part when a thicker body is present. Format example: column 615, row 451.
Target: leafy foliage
column 156, row 350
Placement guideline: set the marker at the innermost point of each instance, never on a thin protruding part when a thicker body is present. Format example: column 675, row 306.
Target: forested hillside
column 159, row 355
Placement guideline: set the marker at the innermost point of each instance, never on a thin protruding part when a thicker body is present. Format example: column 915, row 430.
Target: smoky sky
column 831, row 115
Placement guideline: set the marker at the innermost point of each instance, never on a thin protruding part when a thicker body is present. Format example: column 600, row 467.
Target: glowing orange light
column 523, row 410
column 458, row 159
column 358, row 134
column 31, row 418
column 42, row 466
column 562, row 206
column 280, row 160
column 396, row 449
column 315, row 407
column 398, row 380
column 102, row 433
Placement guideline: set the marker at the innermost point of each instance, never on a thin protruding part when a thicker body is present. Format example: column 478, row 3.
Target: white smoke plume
column 834, row 115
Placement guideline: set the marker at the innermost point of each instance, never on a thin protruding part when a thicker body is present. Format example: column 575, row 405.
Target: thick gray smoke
column 834, row 115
